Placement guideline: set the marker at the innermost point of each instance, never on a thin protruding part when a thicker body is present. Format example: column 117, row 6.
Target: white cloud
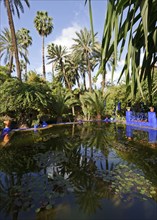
column 98, row 82
column 115, row 76
column 67, row 35
column 121, row 63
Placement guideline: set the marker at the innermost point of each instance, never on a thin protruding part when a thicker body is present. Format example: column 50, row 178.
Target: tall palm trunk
column 89, row 74
column 66, row 80
column 43, row 57
column 13, row 35
column 10, row 65
column 26, row 67
column 77, row 79
column 64, row 74
column 98, row 117
column 84, row 81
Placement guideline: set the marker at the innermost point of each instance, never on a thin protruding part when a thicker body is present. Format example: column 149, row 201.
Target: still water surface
column 79, row 172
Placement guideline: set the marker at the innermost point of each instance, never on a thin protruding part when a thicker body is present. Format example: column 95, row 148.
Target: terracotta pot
column 151, row 109
column 6, row 138
column 128, row 108
column 7, row 123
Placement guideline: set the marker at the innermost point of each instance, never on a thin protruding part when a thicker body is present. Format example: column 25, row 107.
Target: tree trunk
column 84, row 82
column 53, row 74
column 26, row 67
column 43, row 57
column 66, row 80
column 65, row 77
column 10, row 65
column 89, row 74
column 73, row 110
column 98, row 117
column 77, row 79
column 13, row 35
column 59, row 119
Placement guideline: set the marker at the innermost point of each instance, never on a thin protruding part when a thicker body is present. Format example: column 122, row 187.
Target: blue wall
column 152, row 120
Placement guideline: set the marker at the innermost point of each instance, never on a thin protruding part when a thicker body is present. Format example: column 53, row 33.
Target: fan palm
column 10, row 7
column 44, row 26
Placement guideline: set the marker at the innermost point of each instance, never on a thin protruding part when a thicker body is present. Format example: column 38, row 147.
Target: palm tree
column 93, row 103
column 83, row 49
column 57, row 56
column 44, row 26
column 72, row 70
column 25, row 40
column 63, row 101
column 10, row 4
column 7, row 49
column 23, row 68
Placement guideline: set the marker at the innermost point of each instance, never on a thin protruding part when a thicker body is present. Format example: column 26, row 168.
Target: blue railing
column 139, row 116
column 141, row 119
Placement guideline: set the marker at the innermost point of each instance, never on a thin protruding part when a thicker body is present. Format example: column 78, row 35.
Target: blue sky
column 68, row 16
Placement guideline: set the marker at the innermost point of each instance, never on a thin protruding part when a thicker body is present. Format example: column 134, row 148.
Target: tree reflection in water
column 40, row 170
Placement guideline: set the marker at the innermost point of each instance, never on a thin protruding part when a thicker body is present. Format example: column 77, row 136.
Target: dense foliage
column 73, row 91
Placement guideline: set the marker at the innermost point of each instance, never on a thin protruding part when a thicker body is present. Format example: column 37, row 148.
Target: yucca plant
column 131, row 25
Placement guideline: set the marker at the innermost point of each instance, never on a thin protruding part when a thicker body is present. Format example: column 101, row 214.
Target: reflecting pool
column 83, row 171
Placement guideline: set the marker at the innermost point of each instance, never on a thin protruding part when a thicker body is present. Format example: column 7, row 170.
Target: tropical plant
column 63, row 100
column 44, row 26
column 3, row 74
column 10, row 7
column 25, row 40
column 57, row 56
column 25, row 101
column 72, row 67
column 132, row 23
column 33, row 77
column 83, row 49
column 93, row 104
column 7, row 49
column 23, row 67
column 117, row 93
